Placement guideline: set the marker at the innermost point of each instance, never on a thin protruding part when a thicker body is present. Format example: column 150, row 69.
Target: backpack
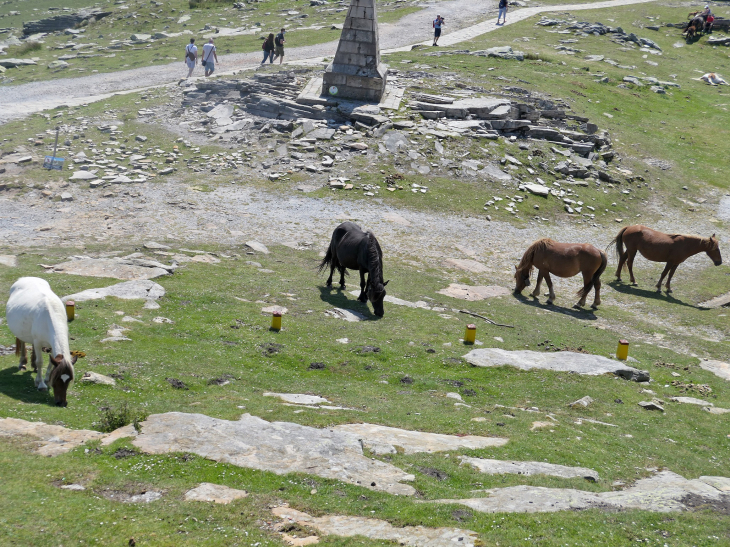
column 189, row 54
column 277, row 40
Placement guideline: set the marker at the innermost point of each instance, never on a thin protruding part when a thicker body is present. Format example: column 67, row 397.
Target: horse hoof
column 594, row 307
column 44, row 388
column 22, row 367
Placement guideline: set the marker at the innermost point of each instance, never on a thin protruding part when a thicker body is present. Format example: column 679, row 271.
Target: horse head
column 376, row 294
column 714, row 251
column 522, row 278
column 61, row 377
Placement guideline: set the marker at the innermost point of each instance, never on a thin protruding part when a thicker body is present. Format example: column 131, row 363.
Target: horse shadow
column 339, row 298
column 585, row 314
column 21, row 386
column 627, row 288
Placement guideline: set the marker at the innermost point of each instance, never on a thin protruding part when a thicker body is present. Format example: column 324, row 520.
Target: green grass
column 202, row 344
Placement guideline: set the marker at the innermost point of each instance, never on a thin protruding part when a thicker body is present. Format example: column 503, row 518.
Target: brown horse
column 660, row 247
column 563, row 260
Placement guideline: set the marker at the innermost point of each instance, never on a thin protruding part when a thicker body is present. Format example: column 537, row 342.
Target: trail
column 23, row 100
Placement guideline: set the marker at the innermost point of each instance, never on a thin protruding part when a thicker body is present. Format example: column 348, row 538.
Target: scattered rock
column 129, row 290
column 119, row 268
column 258, row 247
column 473, row 294
column 651, row 405
column 581, row 403
column 468, row 265
column 690, row 401
column 351, row 316
column 52, row 439
column 718, row 368
column 96, row 378
column 11, row 261
column 298, row 398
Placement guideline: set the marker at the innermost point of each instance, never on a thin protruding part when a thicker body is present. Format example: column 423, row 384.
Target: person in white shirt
column 209, row 55
column 191, row 56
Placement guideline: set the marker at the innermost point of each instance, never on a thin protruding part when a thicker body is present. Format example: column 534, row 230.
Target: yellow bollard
column 276, row 321
column 622, row 352
column 470, row 335
column 70, row 310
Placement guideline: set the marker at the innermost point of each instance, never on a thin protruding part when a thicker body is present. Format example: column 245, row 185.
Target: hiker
column 709, row 19
column 191, row 56
column 502, row 11
column 437, row 24
column 268, row 47
column 279, row 46
column 208, row 55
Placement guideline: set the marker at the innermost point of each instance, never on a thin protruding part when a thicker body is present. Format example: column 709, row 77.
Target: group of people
column 273, row 48
column 208, row 60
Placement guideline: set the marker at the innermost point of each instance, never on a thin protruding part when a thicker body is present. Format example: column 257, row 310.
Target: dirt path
column 22, row 100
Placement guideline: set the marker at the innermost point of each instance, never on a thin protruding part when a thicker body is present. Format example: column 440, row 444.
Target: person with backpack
column 502, row 11
column 279, row 46
column 268, row 47
column 208, row 55
column 191, row 56
column 437, row 24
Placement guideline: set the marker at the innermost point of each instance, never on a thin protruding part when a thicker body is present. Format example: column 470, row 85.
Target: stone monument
column 356, row 73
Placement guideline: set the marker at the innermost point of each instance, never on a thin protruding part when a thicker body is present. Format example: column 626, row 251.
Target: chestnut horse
column 563, row 260
column 660, row 247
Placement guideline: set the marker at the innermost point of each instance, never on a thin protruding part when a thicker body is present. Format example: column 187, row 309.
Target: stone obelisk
column 356, row 73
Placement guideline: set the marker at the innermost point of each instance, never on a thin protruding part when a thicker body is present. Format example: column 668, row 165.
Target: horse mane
column 374, row 258
column 712, row 243
column 539, row 245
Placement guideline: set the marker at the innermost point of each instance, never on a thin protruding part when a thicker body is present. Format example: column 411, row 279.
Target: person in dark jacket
column 268, row 47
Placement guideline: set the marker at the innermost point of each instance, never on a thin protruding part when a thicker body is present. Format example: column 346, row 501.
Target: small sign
column 333, row 90
column 51, row 162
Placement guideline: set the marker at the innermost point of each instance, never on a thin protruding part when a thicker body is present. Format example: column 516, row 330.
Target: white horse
column 36, row 316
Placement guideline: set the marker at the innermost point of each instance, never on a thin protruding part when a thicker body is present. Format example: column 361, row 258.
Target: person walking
column 268, row 47
column 279, row 46
column 437, row 24
column 209, row 54
column 502, row 11
column 191, row 56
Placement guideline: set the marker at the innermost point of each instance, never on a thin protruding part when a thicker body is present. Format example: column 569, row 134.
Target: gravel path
column 25, row 99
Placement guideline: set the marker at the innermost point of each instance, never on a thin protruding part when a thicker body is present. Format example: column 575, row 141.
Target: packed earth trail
column 22, row 100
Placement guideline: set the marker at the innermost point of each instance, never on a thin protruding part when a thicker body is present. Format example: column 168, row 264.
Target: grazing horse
column 355, row 249
column 698, row 23
column 690, row 32
column 35, row 315
column 660, row 247
column 563, row 260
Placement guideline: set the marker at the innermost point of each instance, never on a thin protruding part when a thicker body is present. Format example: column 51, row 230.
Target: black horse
column 355, row 249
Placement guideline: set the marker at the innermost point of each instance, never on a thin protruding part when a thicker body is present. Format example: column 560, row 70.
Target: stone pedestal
column 356, row 73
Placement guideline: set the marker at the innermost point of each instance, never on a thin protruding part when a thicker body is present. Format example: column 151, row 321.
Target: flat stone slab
column 117, row 268
column 129, row 290
column 473, row 294
column 298, row 398
column 399, row 301
column 216, row 493
column 11, row 261
column 467, row 264
column 500, row 467
column 561, row 361
column 717, row 302
column 257, row 246
column 274, row 309
column 278, row 447
column 381, row 439
column 691, row 401
column 420, row 536
column 662, row 493
column 52, row 439
column 350, row 316
column 718, row 368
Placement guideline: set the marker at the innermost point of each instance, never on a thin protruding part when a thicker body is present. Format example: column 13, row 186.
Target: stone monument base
column 355, row 86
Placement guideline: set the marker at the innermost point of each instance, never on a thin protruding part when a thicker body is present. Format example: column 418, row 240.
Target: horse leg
column 665, row 272
column 332, row 272
column 597, row 296
column 586, row 280
column 630, row 263
column 23, row 354
column 551, row 297
column 38, row 363
column 621, row 263
column 363, row 295
column 342, row 278
column 536, row 292
column 669, row 279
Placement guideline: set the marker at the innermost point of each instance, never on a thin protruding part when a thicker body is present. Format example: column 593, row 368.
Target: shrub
column 208, row 3
column 27, row 47
column 114, row 418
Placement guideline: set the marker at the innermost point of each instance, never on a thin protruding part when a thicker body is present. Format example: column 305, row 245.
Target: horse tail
column 326, row 261
column 618, row 241
column 582, row 293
